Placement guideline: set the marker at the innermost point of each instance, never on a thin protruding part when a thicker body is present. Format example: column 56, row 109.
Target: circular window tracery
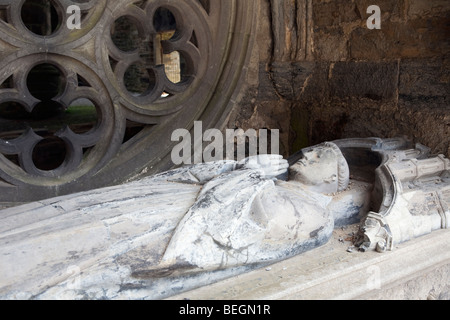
column 47, row 130
column 82, row 103
column 157, row 60
column 154, row 54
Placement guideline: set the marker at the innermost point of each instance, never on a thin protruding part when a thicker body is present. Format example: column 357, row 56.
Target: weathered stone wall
column 320, row 74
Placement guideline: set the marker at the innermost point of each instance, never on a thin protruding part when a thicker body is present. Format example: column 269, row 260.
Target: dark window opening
column 40, row 17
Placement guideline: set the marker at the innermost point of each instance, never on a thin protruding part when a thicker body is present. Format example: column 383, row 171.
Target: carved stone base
column 418, row 269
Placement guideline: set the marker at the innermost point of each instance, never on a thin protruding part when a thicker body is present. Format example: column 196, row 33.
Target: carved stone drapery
column 213, row 39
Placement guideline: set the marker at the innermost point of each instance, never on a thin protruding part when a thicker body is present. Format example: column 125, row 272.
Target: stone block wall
column 319, row 73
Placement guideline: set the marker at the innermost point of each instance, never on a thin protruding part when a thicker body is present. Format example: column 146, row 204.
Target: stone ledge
column 414, row 270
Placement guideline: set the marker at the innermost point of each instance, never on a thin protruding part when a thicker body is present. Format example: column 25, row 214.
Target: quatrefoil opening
column 155, row 60
column 47, row 132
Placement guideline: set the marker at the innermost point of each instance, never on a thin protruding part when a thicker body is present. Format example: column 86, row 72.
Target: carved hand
column 269, row 164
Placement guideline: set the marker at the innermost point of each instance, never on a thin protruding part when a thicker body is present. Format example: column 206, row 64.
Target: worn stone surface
column 114, row 243
column 373, row 80
column 354, row 81
column 425, row 80
column 196, row 225
column 416, row 270
column 415, row 190
column 260, row 223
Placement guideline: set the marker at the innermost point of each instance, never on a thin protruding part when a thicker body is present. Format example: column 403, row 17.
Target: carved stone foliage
column 90, row 107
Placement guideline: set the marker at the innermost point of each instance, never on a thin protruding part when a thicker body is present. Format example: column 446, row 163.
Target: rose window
column 86, row 107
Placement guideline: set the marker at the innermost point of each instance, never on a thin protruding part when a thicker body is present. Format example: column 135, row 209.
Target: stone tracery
column 91, row 64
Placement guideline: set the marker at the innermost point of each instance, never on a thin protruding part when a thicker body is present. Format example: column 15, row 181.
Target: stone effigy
column 194, row 225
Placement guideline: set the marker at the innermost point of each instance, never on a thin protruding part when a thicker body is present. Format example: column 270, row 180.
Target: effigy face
column 323, row 168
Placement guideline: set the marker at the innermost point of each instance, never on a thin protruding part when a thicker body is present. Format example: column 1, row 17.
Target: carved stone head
column 322, row 168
